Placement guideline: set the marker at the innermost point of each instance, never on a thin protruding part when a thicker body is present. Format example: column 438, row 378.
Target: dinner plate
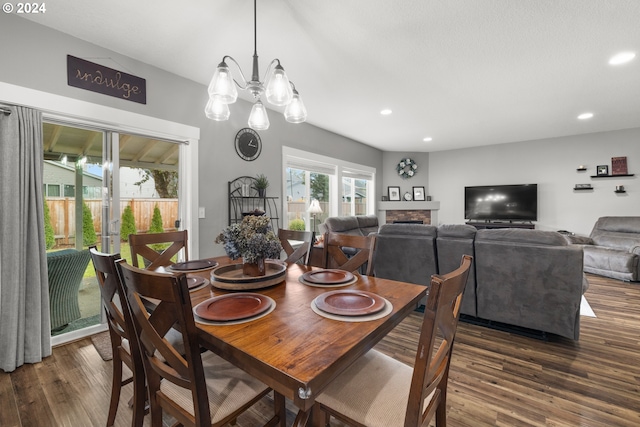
column 194, row 265
column 195, row 281
column 328, row 276
column 232, row 306
column 350, row 302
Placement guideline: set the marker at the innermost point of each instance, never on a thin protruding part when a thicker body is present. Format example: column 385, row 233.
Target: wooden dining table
column 292, row 349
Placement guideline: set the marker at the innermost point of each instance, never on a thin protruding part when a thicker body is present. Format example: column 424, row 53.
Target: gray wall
column 550, row 163
column 35, row 57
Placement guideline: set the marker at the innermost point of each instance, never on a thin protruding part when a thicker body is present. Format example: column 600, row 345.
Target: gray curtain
column 25, row 336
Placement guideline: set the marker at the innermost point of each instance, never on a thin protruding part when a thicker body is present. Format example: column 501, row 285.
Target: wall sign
column 97, row 78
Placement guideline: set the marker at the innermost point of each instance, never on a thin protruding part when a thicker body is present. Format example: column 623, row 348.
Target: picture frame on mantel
column 393, row 193
column 418, row 193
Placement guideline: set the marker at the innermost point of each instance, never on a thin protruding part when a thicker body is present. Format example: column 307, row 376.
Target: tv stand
column 502, row 224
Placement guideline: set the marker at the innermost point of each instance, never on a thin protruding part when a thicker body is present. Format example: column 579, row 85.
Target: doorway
column 100, row 186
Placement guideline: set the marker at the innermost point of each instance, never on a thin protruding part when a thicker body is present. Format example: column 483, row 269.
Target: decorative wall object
column 602, row 170
column 407, row 168
column 394, row 193
column 619, row 166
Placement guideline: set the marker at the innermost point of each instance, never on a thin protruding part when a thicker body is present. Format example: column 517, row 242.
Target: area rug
column 585, row 308
column 102, row 343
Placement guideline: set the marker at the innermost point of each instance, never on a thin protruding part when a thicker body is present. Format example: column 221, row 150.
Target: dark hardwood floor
column 497, row 378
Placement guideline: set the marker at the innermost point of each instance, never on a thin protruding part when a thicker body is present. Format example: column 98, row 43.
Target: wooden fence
column 63, row 214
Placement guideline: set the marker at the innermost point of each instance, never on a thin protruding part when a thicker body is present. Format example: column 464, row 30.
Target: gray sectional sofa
column 613, row 248
column 526, row 278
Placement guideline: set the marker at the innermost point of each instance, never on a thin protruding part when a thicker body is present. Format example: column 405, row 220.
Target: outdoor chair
column 65, row 272
column 379, row 391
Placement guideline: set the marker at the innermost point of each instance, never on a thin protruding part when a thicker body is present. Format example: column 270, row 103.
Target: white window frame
column 335, row 181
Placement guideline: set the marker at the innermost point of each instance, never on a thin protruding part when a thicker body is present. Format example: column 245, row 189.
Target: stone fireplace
column 409, row 215
column 389, row 212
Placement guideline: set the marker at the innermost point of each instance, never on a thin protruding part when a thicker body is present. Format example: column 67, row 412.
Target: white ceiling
column 464, row 72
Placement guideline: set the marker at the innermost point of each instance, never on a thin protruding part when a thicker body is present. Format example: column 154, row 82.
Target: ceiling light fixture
column 386, row 112
column 427, row 139
column 621, row 58
column 277, row 87
column 585, row 116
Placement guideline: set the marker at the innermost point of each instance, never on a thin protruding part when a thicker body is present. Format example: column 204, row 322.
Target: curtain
column 25, row 336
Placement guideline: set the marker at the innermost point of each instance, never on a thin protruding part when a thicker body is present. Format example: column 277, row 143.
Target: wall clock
column 248, row 144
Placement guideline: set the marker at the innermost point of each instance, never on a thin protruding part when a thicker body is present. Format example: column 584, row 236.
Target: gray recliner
column 530, row 278
column 613, row 248
column 406, row 252
column 454, row 241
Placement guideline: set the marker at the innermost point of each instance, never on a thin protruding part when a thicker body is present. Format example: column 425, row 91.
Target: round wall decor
column 248, row 144
column 407, row 168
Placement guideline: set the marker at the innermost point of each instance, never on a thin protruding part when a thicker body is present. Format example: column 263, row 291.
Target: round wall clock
column 248, row 144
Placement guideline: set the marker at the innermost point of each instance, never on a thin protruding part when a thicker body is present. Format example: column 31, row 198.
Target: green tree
column 89, row 236
column 166, row 182
column 128, row 222
column 319, row 186
column 156, row 221
column 49, row 234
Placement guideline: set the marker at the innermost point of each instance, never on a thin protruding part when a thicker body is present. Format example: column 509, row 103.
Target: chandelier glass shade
column 277, row 89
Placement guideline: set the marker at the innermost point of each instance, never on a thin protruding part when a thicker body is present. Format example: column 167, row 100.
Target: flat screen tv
column 501, row 202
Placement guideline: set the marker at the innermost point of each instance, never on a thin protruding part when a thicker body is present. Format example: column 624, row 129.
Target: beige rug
column 102, row 343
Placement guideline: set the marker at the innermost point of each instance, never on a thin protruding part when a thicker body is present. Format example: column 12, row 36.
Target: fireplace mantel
column 431, row 206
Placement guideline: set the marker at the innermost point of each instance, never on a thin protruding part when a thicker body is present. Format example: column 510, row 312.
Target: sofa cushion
column 344, row 225
column 626, row 242
column 367, row 224
column 611, row 262
column 408, row 230
column 518, row 236
column 460, row 231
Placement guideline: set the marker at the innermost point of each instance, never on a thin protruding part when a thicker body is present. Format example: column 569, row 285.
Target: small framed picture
column 394, row 193
column 418, row 193
column 602, row 170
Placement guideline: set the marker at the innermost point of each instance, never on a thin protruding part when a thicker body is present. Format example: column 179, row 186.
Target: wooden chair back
column 303, row 251
column 335, row 257
column 142, row 245
column 161, row 359
column 433, row 358
column 184, row 369
column 120, row 329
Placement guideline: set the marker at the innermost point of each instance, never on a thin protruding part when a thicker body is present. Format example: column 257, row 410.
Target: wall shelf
column 612, row 176
column 619, row 191
column 582, row 188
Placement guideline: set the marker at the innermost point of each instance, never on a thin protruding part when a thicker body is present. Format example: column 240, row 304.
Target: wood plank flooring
column 497, row 378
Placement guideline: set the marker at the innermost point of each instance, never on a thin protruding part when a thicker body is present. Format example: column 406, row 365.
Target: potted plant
column 253, row 240
column 261, row 183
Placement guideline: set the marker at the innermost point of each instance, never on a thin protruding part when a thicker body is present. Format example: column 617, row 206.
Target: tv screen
column 501, row 202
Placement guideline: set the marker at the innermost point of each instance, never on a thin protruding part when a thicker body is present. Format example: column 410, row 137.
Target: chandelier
column 277, row 88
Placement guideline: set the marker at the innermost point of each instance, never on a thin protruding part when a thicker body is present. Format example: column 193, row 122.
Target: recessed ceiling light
column 427, row 139
column 621, row 58
column 585, row 116
column 386, row 112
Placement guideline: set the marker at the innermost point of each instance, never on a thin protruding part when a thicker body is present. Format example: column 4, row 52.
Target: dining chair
column 361, row 250
column 197, row 389
column 121, row 333
column 302, row 252
column 146, row 246
column 379, row 391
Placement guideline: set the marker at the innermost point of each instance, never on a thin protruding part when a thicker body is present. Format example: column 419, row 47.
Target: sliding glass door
column 100, row 186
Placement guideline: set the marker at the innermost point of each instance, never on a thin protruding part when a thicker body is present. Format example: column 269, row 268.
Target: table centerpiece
column 252, row 239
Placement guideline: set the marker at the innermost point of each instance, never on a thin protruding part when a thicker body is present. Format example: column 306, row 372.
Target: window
column 69, row 190
column 341, row 188
column 53, row 190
